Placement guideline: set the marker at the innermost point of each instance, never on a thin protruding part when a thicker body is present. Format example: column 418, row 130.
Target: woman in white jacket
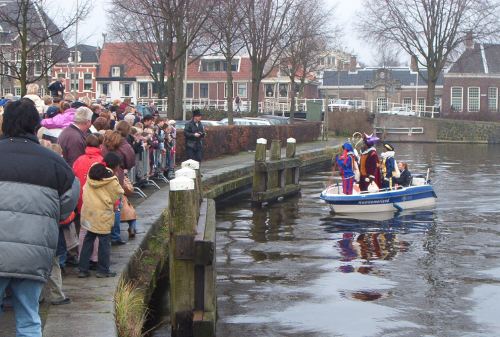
column 32, row 94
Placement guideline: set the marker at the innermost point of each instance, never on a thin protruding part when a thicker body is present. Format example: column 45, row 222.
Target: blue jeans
column 115, row 231
column 25, row 296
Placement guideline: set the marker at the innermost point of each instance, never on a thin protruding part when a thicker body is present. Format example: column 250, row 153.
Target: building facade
column 382, row 88
column 472, row 83
column 80, row 76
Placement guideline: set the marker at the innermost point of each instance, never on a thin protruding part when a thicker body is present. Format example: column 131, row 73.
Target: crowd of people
column 69, row 196
column 367, row 172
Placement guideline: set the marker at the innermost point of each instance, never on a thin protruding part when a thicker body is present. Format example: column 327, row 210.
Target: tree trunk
column 161, row 82
column 292, row 97
column 431, row 89
column 254, row 111
column 23, row 69
column 170, row 96
column 179, row 88
column 229, row 84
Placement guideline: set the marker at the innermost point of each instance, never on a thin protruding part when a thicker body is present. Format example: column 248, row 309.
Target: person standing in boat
column 347, row 167
column 368, row 165
column 389, row 166
column 404, row 177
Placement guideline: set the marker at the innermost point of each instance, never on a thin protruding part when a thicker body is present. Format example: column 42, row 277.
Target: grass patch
column 130, row 310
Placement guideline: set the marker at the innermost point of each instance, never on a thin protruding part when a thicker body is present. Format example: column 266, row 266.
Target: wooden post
column 260, row 178
column 291, row 173
column 274, row 176
column 191, row 174
column 276, row 149
column 193, row 164
column 184, row 212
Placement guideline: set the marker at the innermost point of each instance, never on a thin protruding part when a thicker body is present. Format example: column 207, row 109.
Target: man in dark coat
column 38, row 190
column 57, row 88
column 194, row 134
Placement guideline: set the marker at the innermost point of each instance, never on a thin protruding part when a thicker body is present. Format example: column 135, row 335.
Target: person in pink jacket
column 60, row 121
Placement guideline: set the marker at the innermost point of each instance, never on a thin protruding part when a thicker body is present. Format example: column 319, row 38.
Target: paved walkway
column 91, row 312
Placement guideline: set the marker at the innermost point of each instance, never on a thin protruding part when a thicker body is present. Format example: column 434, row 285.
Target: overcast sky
column 90, row 30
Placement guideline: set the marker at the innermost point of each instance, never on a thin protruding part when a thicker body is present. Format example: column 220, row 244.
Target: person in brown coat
column 116, row 141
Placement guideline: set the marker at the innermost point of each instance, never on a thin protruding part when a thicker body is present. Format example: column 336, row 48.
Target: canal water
column 293, row 269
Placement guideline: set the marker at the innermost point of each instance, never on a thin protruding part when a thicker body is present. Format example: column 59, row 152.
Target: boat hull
column 395, row 200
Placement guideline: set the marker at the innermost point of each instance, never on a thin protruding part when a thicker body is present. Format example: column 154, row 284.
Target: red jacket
column 82, row 166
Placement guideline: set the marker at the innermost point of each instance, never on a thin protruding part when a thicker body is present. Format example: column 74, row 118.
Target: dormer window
column 115, row 72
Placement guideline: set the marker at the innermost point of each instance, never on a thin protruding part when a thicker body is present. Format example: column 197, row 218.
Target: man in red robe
column 368, row 167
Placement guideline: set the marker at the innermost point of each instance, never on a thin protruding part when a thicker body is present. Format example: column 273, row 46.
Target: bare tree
column 429, row 29
column 145, row 34
column 33, row 43
column 310, row 37
column 387, row 57
column 166, row 30
column 265, row 31
column 225, row 28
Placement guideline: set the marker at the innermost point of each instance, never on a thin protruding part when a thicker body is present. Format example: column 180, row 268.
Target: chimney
column 469, row 40
column 414, row 63
column 353, row 63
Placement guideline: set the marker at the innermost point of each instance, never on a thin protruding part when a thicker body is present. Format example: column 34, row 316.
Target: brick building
column 79, row 78
column 381, row 87
column 471, row 85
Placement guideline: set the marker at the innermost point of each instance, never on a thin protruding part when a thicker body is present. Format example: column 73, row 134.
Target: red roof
column 115, row 54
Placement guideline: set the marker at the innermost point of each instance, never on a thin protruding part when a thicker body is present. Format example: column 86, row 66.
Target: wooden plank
column 210, row 270
column 277, row 165
column 199, row 287
column 200, row 228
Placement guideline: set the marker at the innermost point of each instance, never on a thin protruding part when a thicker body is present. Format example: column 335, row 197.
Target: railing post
column 194, row 165
column 292, row 174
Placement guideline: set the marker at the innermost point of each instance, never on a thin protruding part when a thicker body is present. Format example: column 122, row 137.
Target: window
column 105, row 89
column 473, row 99
column 126, row 89
column 218, row 65
column 17, row 91
column 493, row 99
column 6, row 69
column 61, row 75
column 6, row 91
column 457, row 98
column 381, row 104
column 269, row 90
column 283, row 89
column 242, row 90
column 143, row 89
column 74, row 82
column 37, row 71
column 203, row 90
column 87, row 81
column 189, row 90
column 407, row 101
column 115, row 71
column 421, row 104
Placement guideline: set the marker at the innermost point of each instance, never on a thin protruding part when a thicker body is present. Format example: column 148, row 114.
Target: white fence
column 280, row 106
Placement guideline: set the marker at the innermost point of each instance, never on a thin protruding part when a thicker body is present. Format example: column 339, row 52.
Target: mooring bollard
column 184, row 212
